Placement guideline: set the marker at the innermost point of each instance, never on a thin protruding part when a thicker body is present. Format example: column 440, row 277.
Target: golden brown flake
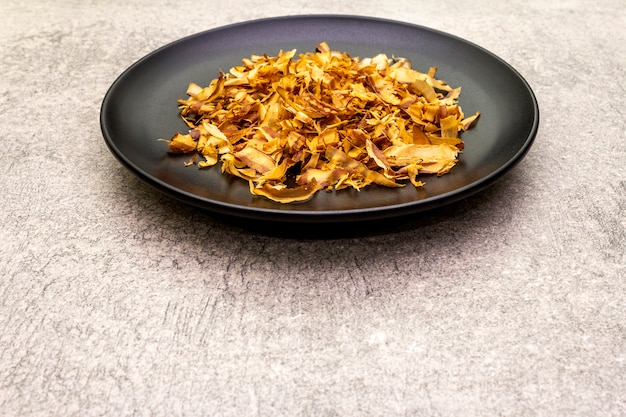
column 323, row 120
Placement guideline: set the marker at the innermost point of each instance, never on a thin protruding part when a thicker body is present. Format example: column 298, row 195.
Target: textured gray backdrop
column 118, row 301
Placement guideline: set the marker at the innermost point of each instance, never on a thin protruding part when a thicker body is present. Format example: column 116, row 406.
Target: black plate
column 141, row 106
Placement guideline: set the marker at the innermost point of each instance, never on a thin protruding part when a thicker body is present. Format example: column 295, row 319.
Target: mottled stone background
column 118, row 301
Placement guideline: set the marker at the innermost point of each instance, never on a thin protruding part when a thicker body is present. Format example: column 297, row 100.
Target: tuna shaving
column 292, row 126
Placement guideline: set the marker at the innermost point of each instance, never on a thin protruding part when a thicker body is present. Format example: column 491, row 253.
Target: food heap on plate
column 292, row 126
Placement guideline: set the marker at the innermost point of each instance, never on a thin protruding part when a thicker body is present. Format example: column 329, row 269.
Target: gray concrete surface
column 118, row 301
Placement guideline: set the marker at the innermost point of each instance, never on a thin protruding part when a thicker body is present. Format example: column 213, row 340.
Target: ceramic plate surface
column 141, row 106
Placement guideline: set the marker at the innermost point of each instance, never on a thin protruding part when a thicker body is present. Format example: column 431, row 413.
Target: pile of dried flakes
column 325, row 120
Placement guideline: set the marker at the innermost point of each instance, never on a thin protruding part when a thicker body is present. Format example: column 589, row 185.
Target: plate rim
column 315, row 216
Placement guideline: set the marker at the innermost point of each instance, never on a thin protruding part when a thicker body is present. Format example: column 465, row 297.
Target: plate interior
column 141, row 107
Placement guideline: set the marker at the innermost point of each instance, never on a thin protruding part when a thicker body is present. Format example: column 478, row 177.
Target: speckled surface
column 118, row 301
